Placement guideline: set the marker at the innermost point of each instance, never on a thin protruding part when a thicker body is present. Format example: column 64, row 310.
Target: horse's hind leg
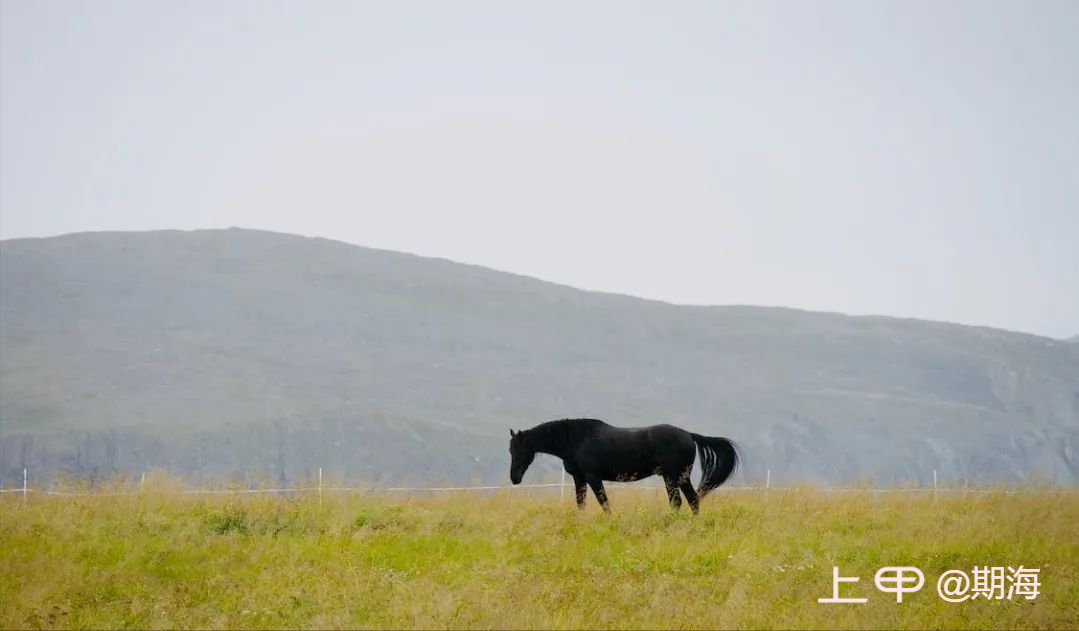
column 672, row 493
column 601, row 494
column 691, row 496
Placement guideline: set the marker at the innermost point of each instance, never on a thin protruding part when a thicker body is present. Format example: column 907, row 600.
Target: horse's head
column 521, row 455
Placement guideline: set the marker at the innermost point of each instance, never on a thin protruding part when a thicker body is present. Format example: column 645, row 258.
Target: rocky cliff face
column 242, row 353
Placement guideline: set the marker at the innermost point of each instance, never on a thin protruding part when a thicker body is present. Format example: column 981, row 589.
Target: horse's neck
column 552, row 440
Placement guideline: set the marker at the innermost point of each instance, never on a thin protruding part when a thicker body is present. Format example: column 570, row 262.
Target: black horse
column 593, row 451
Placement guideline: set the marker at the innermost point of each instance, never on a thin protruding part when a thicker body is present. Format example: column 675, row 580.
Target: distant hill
column 239, row 352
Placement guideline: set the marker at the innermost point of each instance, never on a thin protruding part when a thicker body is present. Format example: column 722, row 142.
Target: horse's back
column 636, row 452
column 670, row 432
column 671, row 440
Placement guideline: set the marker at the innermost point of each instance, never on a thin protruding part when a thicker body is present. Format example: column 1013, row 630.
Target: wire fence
column 26, row 490
column 608, row 486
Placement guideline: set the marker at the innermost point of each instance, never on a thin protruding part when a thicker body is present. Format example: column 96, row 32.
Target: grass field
column 519, row 559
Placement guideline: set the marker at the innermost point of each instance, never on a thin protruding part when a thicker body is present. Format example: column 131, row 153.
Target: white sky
column 915, row 159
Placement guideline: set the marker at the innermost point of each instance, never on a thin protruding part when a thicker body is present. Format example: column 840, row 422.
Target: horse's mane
column 563, row 431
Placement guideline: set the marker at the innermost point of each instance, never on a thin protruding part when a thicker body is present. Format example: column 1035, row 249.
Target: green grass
column 523, row 560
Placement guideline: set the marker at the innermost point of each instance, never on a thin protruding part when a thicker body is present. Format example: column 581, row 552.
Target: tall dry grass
column 519, row 559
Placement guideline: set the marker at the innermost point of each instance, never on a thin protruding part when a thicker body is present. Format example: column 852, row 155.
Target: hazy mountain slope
column 220, row 352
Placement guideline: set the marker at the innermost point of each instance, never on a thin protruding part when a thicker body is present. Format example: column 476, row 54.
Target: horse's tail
column 719, row 459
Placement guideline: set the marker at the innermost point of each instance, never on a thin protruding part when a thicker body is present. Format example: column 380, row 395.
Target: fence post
column 934, row 484
column 768, row 480
column 24, row 484
column 562, row 487
column 142, row 481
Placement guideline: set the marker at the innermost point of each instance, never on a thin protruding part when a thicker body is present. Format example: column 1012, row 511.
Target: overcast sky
column 914, row 159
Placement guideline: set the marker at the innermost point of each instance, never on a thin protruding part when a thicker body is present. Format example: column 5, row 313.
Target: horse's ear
column 512, row 433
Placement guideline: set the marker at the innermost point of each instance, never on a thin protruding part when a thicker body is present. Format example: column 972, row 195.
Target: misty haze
column 236, row 354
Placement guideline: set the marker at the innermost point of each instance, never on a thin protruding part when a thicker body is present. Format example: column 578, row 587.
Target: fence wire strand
column 442, row 489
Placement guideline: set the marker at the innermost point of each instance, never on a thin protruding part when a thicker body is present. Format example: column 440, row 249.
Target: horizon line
column 693, row 305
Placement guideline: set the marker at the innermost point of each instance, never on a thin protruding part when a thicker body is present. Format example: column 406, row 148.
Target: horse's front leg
column 582, row 490
column 601, row 494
